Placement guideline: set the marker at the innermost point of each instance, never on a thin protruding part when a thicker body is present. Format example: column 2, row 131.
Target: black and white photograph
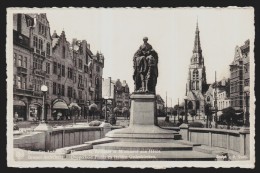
column 130, row 87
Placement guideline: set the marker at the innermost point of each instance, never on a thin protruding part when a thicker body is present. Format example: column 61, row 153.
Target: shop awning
column 219, row 113
column 18, row 103
column 60, row 105
column 75, row 105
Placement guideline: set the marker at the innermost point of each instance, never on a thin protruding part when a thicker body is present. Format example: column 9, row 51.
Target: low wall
column 236, row 140
column 60, row 137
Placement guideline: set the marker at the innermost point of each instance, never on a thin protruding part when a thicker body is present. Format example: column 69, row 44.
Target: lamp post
column 105, row 98
column 246, row 114
column 185, row 107
column 44, row 89
column 42, row 125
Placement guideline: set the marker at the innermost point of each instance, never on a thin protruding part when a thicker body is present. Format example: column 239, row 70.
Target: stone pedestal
column 143, row 122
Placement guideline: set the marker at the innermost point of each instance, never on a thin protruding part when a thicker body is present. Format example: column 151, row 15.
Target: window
column 86, row 58
column 24, row 83
column 40, row 28
column 63, row 52
column 80, row 64
column 63, row 70
column 59, row 89
column 34, row 63
column 15, row 58
column 20, row 62
column 25, row 62
column 55, row 67
column 59, row 69
column 43, row 29
column 80, row 94
column 62, row 90
column 47, row 84
column 40, row 44
column 75, row 62
column 69, row 73
column 48, row 49
column 69, row 91
column 54, row 88
column 19, row 82
column 39, row 64
column 74, row 78
column 48, row 67
column 80, row 79
column 35, row 42
column 97, row 68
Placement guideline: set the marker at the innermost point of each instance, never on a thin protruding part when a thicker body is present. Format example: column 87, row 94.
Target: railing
column 43, row 53
column 40, row 73
column 91, row 89
column 21, row 69
column 22, row 91
column 38, row 51
column 80, row 85
column 37, row 93
column 235, row 140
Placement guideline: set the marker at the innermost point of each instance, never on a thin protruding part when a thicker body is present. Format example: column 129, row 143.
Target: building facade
column 160, row 105
column 72, row 73
column 197, row 83
column 240, row 76
column 32, row 51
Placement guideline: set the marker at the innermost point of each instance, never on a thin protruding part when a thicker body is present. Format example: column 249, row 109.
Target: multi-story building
column 222, row 89
column 32, row 55
column 118, row 92
column 239, row 76
column 223, row 94
column 197, row 83
column 71, row 72
column 160, row 105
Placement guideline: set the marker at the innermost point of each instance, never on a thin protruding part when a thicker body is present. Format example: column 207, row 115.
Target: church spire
column 197, row 47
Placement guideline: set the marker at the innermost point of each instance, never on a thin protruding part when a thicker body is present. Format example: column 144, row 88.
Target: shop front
column 19, row 108
column 35, row 111
column 59, row 110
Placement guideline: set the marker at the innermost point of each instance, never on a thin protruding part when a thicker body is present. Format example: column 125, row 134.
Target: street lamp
column 186, row 116
column 42, row 125
column 106, row 98
column 246, row 114
column 44, row 89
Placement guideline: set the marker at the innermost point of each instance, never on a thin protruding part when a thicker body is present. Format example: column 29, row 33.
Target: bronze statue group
column 145, row 68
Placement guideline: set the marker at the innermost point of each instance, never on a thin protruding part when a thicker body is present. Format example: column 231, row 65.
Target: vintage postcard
column 130, row 87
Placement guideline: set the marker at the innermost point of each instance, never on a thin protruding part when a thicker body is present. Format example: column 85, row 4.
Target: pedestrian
column 59, row 114
column 16, row 116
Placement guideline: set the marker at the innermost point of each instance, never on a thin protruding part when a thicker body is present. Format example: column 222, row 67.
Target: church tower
column 197, row 83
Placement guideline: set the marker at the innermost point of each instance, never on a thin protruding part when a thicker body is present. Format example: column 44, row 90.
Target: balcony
column 43, row 54
column 39, row 73
column 91, row 89
column 38, row 51
column 37, row 93
column 81, row 86
column 21, row 91
column 22, row 70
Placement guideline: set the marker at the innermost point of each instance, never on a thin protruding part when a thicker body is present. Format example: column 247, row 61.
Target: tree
column 192, row 113
column 174, row 112
column 182, row 113
column 229, row 114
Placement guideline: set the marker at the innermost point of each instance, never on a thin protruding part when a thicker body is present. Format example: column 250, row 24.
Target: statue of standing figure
column 145, row 68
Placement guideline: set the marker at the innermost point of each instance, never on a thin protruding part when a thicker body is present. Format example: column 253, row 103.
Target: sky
column 118, row 33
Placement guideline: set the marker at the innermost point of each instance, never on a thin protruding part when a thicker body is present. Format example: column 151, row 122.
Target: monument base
column 143, row 122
